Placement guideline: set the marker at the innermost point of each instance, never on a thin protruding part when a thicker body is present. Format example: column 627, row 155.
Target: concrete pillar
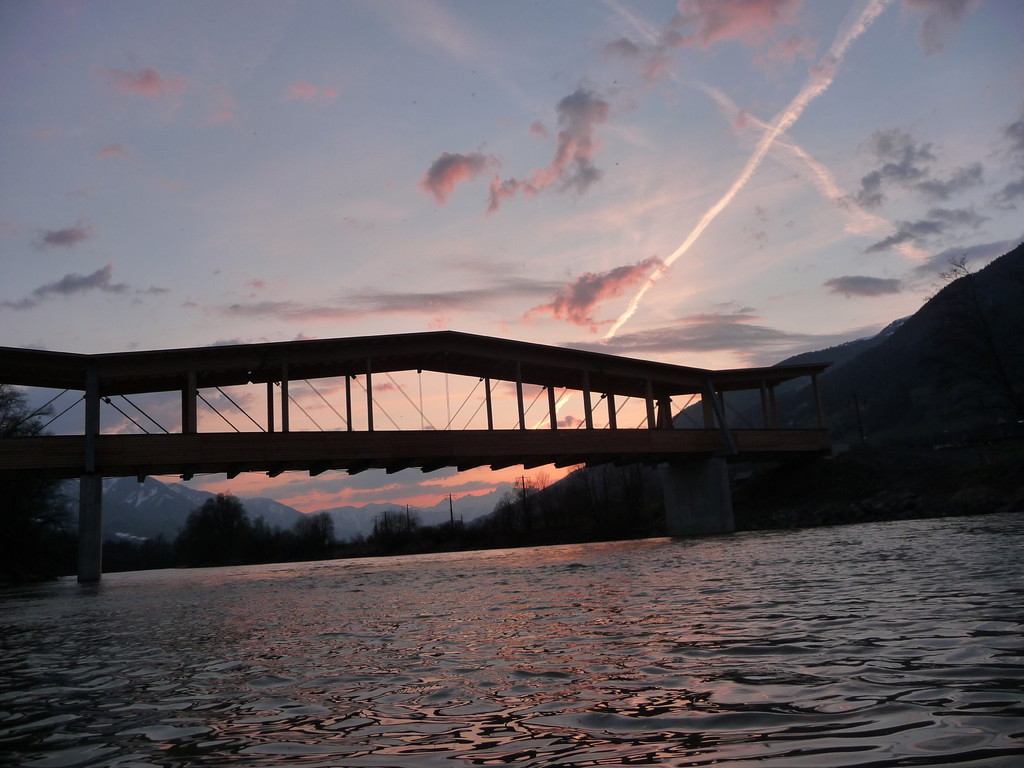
column 90, row 528
column 697, row 498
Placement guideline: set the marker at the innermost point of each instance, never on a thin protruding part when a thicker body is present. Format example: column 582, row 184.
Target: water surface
column 885, row 644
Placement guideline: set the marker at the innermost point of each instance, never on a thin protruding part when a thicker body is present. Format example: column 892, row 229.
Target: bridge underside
column 316, row 452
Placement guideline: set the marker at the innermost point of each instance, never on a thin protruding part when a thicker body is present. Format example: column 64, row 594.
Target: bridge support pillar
column 90, row 535
column 697, row 498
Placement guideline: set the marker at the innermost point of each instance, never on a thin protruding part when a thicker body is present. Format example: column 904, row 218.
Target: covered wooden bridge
column 503, row 435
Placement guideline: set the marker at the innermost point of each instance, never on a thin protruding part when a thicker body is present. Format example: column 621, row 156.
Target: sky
column 714, row 183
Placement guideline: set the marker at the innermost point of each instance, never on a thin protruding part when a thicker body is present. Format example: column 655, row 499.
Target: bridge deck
column 138, row 455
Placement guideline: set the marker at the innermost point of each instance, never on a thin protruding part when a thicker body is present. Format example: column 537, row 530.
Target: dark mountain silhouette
column 146, row 510
column 953, row 369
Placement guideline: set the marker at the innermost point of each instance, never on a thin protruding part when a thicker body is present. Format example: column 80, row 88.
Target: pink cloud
column 748, row 20
column 705, row 22
column 115, row 150
column 146, row 82
column 537, row 129
column 576, row 302
column 304, row 90
column 449, row 169
column 572, row 167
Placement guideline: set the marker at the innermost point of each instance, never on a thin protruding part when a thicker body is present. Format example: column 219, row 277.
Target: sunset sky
column 717, row 183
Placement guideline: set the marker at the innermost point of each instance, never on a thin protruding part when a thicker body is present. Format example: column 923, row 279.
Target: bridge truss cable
column 133, row 405
column 212, row 408
column 73, row 404
column 113, row 405
column 526, row 413
column 459, row 409
column 244, row 412
column 40, row 409
column 327, row 402
column 687, row 416
column 382, row 409
column 482, row 402
column 405, row 394
column 304, row 411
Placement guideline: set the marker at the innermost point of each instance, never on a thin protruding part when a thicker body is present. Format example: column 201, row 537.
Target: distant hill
column 146, row 510
column 952, row 369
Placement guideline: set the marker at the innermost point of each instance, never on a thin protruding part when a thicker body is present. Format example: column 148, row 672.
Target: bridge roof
column 441, row 351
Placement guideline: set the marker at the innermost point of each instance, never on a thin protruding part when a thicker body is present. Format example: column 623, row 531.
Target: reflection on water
column 877, row 645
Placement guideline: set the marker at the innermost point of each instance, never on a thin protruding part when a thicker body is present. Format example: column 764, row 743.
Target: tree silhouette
column 33, row 513
column 977, row 345
column 217, row 533
column 314, row 534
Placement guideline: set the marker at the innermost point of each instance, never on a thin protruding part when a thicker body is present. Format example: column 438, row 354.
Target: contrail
column 821, row 77
column 861, row 221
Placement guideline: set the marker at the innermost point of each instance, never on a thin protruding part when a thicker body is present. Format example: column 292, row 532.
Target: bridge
column 499, row 430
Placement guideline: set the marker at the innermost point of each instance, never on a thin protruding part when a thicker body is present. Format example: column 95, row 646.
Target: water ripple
column 887, row 644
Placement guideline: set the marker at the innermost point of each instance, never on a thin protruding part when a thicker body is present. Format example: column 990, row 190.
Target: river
column 882, row 644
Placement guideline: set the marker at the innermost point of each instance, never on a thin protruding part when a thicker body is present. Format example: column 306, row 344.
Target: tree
column 976, row 347
column 217, row 533
column 32, row 508
column 314, row 534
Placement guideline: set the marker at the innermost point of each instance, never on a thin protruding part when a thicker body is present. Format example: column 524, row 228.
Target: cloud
column 572, row 168
column 449, row 169
column 904, row 162
column 907, row 164
column 705, row 22
column 575, row 303
column 116, row 150
column 1014, row 190
column 817, row 84
column 726, row 332
column 65, row 238
column 940, row 221
column 972, row 254
column 304, row 90
column 961, row 179
column 146, row 82
column 1008, row 196
column 370, row 303
column 70, row 285
column 859, row 285
column 940, row 19
column 747, row 20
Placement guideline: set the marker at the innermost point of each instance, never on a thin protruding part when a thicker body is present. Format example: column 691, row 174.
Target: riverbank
column 885, row 483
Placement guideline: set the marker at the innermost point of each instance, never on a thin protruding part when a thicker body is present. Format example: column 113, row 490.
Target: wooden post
column 588, row 410
column 189, row 415
column 284, row 397
column 348, row 402
column 90, row 490
column 652, row 422
column 270, row 406
column 552, row 407
column 519, row 395
column 369, row 395
column 665, row 413
column 612, row 423
column 487, row 400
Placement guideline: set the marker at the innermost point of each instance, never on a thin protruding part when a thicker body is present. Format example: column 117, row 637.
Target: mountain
column 134, row 510
column 350, row 522
column 152, row 508
column 953, row 368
